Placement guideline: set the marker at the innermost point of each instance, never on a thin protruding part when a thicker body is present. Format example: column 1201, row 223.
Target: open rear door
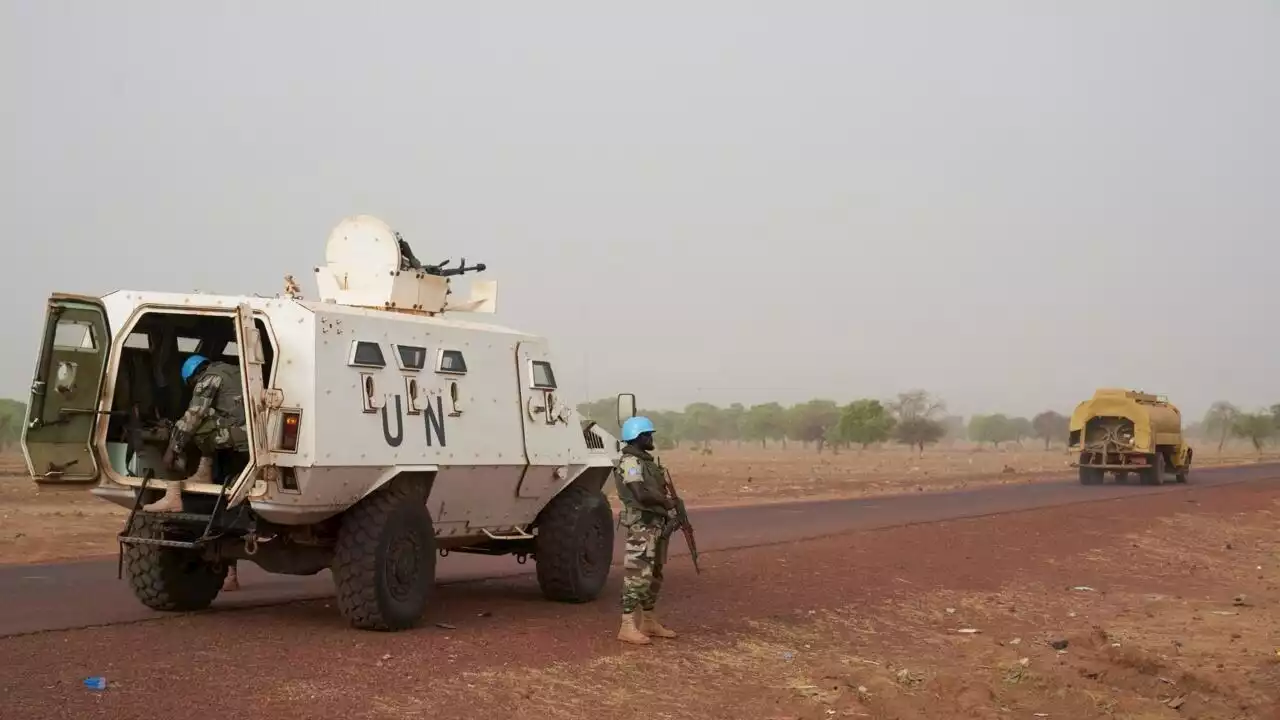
column 62, row 413
column 252, row 361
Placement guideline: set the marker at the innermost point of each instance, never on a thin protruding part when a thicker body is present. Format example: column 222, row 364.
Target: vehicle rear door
column 62, row 412
column 252, row 362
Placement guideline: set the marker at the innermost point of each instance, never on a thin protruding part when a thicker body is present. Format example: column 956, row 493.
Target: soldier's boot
column 629, row 633
column 649, row 625
column 171, row 502
column 204, row 471
column 232, row 583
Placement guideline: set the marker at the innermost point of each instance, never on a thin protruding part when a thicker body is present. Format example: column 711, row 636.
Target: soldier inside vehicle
column 150, row 382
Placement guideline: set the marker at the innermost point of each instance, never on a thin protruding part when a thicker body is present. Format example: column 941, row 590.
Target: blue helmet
column 634, row 427
column 189, row 367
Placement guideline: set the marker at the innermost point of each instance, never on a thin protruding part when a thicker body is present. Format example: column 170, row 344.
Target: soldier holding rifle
column 650, row 515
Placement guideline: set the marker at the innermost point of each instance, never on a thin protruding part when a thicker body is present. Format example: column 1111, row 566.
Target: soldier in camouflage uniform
column 214, row 421
column 646, row 509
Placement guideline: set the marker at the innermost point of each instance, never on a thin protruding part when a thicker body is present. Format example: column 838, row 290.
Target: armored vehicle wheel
column 169, row 579
column 384, row 565
column 574, row 545
column 1090, row 476
column 1182, row 476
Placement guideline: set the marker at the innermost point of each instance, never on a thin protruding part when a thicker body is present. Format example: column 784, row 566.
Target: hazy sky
column 1007, row 203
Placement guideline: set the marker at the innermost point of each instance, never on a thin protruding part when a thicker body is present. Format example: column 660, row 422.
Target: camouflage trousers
column 213, row 434
column 642, row 567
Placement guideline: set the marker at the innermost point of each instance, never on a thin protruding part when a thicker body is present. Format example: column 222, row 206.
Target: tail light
column 291, row 421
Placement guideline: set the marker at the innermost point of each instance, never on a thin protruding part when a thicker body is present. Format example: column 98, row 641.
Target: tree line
column 915, row 418
column 1225, row 420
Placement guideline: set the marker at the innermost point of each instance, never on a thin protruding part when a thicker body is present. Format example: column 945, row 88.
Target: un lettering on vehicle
column 393, row 422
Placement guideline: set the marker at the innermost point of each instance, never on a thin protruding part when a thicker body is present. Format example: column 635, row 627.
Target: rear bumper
column 1113, row 460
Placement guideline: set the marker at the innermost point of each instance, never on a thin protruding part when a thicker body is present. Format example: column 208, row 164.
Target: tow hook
column 522, row 558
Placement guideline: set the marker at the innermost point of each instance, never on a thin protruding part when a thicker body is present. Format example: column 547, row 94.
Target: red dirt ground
column 1168, row 605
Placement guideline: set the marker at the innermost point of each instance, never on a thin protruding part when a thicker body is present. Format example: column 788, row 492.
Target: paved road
column 36, row 598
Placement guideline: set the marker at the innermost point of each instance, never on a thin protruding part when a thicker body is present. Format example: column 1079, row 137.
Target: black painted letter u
column 386, row 429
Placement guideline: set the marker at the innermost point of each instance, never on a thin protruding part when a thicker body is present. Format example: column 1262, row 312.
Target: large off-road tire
column 384, row 564
column 574, row 545
column 169, row 579
column 1091, row 476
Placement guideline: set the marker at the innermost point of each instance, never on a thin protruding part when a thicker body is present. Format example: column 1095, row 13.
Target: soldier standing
column 646, row 509
column 214, row 421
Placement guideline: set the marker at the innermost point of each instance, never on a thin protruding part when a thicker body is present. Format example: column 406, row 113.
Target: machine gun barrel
column 440, row 271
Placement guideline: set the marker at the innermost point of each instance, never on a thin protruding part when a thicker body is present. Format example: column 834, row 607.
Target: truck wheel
column 170, row 579
column 1181, row 477
column 574, row 545
column 384, row 564
column 1090, row 476
column 1154, row 475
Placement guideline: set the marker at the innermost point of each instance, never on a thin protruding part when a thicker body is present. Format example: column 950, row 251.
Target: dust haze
column 1006, row 205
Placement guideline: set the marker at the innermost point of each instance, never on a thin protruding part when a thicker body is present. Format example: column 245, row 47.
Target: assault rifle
column 681, row 521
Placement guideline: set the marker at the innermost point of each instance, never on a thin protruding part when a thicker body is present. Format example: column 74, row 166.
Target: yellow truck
column 1127, row 431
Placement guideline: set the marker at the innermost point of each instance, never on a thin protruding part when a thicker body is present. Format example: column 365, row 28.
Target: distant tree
column 809, row 422
column 731, row 419
column 604, row 412
column 763, row 423
column 1022, row 429
column 668, row 428
column 1275, row 415
column 954, row 426
column 1257, row 428
column 993, row 429
column 864, row 422
column 1220, row 421
column 915, row 404
column 702, row 423
column 915, row 412
column 1050, row 426
column 12, row 415
column 918, row 432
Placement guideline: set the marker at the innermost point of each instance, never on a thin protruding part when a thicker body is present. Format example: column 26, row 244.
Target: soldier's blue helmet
column 189, row 367
column 636, row 426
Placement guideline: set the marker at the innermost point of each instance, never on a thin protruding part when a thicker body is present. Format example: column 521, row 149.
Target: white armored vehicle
column 382, row 432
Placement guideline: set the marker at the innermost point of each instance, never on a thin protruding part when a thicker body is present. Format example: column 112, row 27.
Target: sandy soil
column 1164, row 606
column 47, row 524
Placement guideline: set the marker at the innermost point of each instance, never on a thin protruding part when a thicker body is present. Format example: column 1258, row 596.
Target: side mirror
column 626, row 407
